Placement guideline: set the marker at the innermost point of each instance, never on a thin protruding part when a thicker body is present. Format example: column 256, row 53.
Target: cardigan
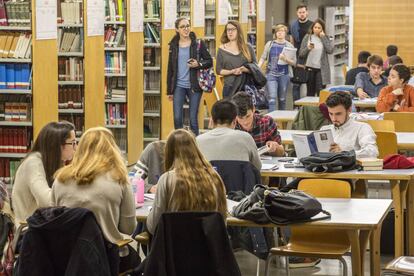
column 387, row 100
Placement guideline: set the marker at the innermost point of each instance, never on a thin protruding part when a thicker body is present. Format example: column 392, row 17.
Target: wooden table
column 400, row 181
column 314, row 101
column 361, row 218
column 405, row 140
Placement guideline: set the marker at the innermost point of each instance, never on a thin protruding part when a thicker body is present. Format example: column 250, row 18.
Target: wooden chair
column 387, row 143
column 382, row 125
column 400, row 266
column 323, row 95
column 317, row 243
column 404, row 121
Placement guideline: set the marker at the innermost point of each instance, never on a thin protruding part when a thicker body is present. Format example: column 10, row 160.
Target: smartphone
column 293, row 165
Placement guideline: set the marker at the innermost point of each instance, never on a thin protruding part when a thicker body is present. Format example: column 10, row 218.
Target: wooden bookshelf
column 260, row 26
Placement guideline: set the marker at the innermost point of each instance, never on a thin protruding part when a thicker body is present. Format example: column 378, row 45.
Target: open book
column 317, row 141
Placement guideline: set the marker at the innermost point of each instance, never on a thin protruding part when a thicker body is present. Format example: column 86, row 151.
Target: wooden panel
column 45, row 85
column 378, row 23
column 135, row 91
column 260, row 32
column 94, row 63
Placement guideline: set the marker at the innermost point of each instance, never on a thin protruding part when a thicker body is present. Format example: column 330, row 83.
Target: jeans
column 277, row 88
column 180, row 95
column 296, row 91
column 314, row 84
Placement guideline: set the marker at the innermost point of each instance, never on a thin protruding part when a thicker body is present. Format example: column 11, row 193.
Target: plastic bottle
column 134, row 187
column 139, row 183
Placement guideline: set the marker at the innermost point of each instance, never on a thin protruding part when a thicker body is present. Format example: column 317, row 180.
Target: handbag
column 300, row 74
column 259, row 96
column 206, row 77
column 330, row 161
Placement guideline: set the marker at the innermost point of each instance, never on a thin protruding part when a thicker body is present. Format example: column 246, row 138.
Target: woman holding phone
column 315, row 48
column 187, row 55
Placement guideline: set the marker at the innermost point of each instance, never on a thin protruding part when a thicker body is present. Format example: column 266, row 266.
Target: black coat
column 66, row 241
column 205, row 60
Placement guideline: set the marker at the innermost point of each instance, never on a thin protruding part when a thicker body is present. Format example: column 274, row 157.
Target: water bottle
column 139, row 183
column 131, row 178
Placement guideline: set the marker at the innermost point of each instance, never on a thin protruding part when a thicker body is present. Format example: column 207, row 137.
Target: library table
column 314, row 101
column 361, row 218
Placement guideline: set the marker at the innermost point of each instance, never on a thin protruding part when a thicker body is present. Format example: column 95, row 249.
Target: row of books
column 251, row 24
column 70, row 12
column 252, row 7
column 211, row 46
column 152, row 104
column 115, row 63
column 152, row 56
column 151, row 127
column 8, row 170
column 183, row 8
column 114, row 10
column 70, row 97
column 251, row 38
column 15, row 139
column 115, row 114
column 15, row 13
column 114, row 37
column 210, row 27
column 70, row 40
column 115, row 88
column 120, row 136
column 70, row 69
column 152, row 9
column 152, row 33
column 15, row 75
column 15, row 108
column 15, row 45
column 77, row 120
column 151, row 80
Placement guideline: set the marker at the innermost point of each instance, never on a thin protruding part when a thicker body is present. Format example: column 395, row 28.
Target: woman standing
column 279, row 67
column 315, row 48
column 187, row 55
column 55, row 145
column 232, row 54
column 190, row 182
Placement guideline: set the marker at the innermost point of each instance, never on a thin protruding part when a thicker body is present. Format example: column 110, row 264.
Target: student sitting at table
column 349, row 134
column 223, row 142
column 368, row 85
column 262, row 128
column 398, row 95
column 190, row 183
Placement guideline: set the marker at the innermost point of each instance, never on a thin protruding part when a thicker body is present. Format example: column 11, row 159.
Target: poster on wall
column 136, row 13
column 262, row 10
column 199, row 13
column 170, row 14
column 96, row 17
column 245, row 7
column 223, row 12
column 46, row 19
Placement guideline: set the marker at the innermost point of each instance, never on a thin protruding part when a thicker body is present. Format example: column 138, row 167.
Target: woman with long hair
column 53, row 147
column 232, row 54
column 97, row 180
column 315, row 48
column 187, row 55
column 190, row 182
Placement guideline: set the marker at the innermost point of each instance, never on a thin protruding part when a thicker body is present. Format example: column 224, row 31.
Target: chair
column 382, row 125
column 320, row 243
column 323, row 95
column 400, row 266
column 344, row 70
column 191, row 243
column 403, row 120
column 387, row 143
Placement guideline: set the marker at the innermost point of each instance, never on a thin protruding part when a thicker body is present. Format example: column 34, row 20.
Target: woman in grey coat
column 314, row 49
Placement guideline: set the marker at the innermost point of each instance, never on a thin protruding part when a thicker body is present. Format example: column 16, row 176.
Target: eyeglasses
column 184, row 27
column 229, row 30
column 74, row 143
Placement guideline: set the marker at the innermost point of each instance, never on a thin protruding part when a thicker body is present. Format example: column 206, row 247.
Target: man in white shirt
column 349, row 134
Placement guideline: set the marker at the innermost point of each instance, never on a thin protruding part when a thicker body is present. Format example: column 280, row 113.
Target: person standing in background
column 297, row 31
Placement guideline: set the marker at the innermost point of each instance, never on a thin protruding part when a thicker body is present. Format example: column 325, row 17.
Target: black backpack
column 330, row 162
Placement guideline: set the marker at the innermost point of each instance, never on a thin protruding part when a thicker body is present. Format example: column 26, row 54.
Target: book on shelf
column 15, row 139
column 15, row 13
column 115, row 114
column 15, row 45
column 70, row 97
column 152, row 104
column 115, row 88
column 115, row 63
column 70, row 69
column 183, row 8
column 252, row 7
column 210, row 27
column 251, row 24
column 251, row 38
column 120, row 136
column 15, row 75
column 114, row 36
column 151, row 127
column 152, row 33
column 211, row 46
column 15, row 108
column 152, row 8
column 151, row 80
column 114, row 10
column 70, row 40
column 8, row 169
column 152, row 56
column 77, row 120
column 69, row 12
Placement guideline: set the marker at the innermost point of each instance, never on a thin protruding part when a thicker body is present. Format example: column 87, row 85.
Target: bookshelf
column 252, row 23
column 184, row 8
column 16, row 93
column 210, row 36
column 70, row 71
column 337, row 28
column 233, row 9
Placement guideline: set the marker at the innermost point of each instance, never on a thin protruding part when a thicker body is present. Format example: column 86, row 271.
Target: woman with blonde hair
column 97, row 180
column 232, row 54
column 190, row 182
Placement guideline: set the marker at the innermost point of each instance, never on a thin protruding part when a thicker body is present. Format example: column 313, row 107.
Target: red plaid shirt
column 264, row 129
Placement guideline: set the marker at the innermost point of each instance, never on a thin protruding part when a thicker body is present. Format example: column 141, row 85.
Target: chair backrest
column 387, row 143
column 403, row 120
column 237, row 175
column 323, row 95
column 330, row 188
column 344, row 70
column 191, row 243
column 382, row 125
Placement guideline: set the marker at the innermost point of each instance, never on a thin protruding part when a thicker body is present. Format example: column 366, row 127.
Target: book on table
column 370, row 164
